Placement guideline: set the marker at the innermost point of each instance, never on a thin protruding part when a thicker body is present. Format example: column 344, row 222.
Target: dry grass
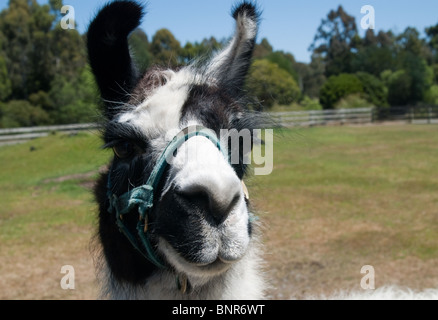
column 338, row 198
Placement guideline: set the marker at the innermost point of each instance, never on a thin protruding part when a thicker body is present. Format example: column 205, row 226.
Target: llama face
column 199, row 224
column 200, row 219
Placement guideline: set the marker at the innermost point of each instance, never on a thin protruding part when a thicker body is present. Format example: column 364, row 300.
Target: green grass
column 387, row 174
column 31, row 199
column 338, row 198
column 384, row 175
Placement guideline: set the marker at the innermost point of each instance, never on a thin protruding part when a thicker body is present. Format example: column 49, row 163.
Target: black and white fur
column 199, row 225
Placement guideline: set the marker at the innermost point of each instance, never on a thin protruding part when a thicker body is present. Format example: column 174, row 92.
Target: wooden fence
column 425, row 114
column 323, row 117
column 415, row 115
column 17, row 135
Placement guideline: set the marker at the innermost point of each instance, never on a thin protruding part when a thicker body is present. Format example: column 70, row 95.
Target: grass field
column 338, row 198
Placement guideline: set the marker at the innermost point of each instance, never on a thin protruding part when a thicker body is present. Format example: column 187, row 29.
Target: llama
column 172, row 226
column 183, row 229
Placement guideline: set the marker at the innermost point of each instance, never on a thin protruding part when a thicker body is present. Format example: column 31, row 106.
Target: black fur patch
column 108, row 52
column 248, row 8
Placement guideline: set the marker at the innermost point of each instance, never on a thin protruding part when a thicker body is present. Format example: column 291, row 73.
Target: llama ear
column 108, row 52
column 230, row 66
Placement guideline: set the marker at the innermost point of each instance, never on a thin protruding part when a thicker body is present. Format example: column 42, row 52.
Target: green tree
column 41, row 99
column 409, row 41
column 5, row 82
column 262, row 49
column 337, row 87
column 431, row 96
column 312, row 76
column 165, row 48
column 40, row 55
column 432, row 42
column 14, row 25
column 399, row 87
column 353, row 100
column 139, row 43
column 285, row 61
column 20, row 113
column 26, row 26
column 374, row 89
column 375, row 53
column 75, row 99
column 412, row 57
column 271, row 84
column 199, row 50
column 335, row 39
column 68, row 52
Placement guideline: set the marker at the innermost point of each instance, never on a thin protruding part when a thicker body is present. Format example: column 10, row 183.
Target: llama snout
column 205, row 181
column 202, row 213
column 213, row 194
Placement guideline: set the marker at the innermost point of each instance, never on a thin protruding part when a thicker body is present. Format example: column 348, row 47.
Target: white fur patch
column 246, row 30
column 384, row 293
column 244, row 280
column 161, row 111
column 200, row 164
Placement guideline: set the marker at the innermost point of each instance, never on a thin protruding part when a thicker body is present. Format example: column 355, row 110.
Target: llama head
column 198, row 224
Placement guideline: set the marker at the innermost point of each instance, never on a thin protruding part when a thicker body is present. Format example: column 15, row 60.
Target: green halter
column 143, row 196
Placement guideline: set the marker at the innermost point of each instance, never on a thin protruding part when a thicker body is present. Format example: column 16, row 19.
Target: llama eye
column 124, row 149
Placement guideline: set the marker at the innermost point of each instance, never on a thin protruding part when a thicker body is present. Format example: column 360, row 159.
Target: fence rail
column 17, row 135
column 323, row 117
column 416, row 115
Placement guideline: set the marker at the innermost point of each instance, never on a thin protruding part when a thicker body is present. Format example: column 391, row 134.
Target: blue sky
column 289, row 25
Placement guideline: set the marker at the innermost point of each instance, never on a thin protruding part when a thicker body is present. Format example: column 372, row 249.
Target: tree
column 375, row 53
column 68, row 52
column 432, row 42
column 199, row 50
column 353, row 100
column 399, row 87
column 26, row 27
column 139, row 43
column 337, row 87
column 165, row 48
column 431, row 96
column 262, row 49
column 271, row 84
column 76, row 99
column 5, row 83
column 413, row 77
column 311, row 76
column 40, row 55
column 14, row 25
column 285, row 61
column 374, row 89
column 410, row 41
column 20, row 113
column 335, row 38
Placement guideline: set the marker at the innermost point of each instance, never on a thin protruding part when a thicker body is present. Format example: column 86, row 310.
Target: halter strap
column 143, row 196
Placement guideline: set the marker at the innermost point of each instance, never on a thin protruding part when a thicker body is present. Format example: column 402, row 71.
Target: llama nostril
column 217, row 206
